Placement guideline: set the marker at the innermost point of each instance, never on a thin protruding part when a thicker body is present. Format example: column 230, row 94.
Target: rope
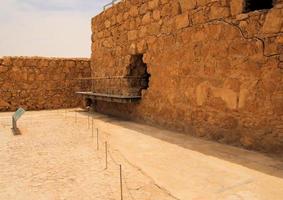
column 111, row 156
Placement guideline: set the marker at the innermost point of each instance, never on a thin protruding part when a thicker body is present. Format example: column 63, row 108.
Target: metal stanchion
column 88, row 120
column 106, row 164
column 97, row 141
column 92, row 128
column 121, row 182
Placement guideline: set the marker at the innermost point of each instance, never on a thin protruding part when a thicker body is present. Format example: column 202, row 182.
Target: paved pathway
column 194, row 169
column 56, row 158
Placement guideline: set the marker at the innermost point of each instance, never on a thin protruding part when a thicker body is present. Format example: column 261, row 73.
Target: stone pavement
column 192, row 169
column 56, row 158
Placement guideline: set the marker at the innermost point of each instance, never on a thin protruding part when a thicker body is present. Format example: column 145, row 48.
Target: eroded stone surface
column 208, row 62
column 40, row 83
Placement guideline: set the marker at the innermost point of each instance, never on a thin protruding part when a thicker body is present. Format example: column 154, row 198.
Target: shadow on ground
column 265, row 163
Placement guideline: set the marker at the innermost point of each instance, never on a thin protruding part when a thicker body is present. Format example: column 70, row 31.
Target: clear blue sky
column 47, row 27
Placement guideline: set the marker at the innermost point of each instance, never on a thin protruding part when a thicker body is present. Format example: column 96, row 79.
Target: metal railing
column 112, row 3
column 114, row 85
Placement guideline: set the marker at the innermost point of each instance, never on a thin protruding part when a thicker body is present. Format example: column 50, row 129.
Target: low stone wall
column 40, row 83
column 216, row 71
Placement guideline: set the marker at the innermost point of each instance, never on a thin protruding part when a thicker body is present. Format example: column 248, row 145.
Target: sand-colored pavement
column 56, row 158
column 191, row 168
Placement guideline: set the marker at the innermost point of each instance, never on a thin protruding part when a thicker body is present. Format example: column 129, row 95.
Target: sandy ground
column 56, row 157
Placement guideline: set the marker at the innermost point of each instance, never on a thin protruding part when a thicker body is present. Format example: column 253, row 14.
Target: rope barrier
column 102, row 137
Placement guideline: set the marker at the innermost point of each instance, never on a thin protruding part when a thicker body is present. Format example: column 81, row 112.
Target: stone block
column 164, row 2
column 153, row 29
column 133, row 49
column 277, row 102
column 175, row 8
column 133, row 24
column 233, row 84
column 146, row 18
column 134, row 11
column 217, row 12
column 141, row 47
column 132, row 35
column 142, row 32
column 241, row 17
column 182, row 21
column 126, row 15
column 107, row 24
column 199, row 17
column 166, row 10
column 202, row 92
column 108, row 43
column 187, row 5
column 143, row 9
column 153, row 4
column 229, row 122
column 156, row 15
column 273, row 22
column 119, row 18
column 237, row 7
column 3, row 104
column 7, row 61
column 243, row 95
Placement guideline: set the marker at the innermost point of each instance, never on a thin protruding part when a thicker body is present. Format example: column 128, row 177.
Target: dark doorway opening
column 138, row 70
column 252, row 5
column 88, row 102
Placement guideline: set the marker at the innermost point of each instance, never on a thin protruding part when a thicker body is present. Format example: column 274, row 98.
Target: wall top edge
column 46, row 58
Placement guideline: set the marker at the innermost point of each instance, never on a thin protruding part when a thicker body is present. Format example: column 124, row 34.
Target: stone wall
column 216, row 72
column 40, row 83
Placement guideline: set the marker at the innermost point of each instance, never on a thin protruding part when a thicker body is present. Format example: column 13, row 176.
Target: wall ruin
column 216, row 71
column 40, row 83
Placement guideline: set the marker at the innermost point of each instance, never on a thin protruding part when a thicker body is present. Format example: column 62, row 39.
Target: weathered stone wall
column 40, row 83
column 216, row 72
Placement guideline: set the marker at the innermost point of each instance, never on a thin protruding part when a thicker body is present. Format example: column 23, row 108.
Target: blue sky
column 59, row 28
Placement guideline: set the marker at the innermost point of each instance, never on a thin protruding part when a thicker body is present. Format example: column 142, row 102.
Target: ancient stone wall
column 216, row 70
column 40, row 83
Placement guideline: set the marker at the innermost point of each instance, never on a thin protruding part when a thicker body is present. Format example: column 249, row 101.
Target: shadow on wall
column 138, row 68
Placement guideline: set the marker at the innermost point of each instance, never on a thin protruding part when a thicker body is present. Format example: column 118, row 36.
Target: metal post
column 14, row 123
column 106, row 164
column 76, row 118
column 97, row 142
column 88, row 120
column 121, row 182
column 92, row 128
column 92, row 85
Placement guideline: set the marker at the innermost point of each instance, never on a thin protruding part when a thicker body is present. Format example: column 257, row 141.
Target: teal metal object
column 17, row 115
